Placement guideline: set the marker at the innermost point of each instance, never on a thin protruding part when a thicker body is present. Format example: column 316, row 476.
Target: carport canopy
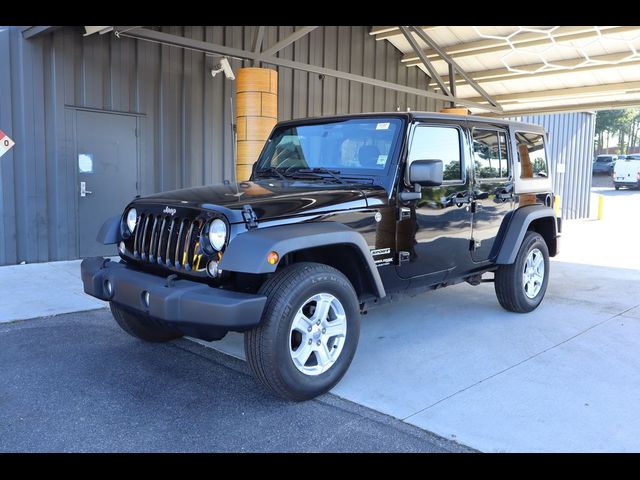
column 539, row 69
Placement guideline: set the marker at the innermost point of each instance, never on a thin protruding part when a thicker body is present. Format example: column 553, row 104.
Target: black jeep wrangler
column 340, row 214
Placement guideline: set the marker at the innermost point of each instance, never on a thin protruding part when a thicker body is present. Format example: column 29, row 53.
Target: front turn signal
column 272, row 258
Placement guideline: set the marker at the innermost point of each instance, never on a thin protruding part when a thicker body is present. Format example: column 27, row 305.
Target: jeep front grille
column 168, row 240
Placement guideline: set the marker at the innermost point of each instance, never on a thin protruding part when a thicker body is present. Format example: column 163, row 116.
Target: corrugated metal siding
column 185, row 113
column 571, row 144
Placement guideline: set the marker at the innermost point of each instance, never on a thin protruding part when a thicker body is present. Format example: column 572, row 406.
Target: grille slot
column 167, row 240
column 143, row 245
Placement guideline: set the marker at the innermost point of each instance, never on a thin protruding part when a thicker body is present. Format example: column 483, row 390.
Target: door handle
column 461, row 198
column 504, row 194
column 83, row 190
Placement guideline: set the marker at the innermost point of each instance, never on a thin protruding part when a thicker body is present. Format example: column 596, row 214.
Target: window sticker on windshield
column 382, row 126
column 382, row 159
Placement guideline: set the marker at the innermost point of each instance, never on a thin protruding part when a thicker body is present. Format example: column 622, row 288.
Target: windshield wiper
column 272, row 170
column 333, row 173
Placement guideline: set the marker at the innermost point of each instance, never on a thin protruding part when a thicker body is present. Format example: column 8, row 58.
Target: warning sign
column 5, row 143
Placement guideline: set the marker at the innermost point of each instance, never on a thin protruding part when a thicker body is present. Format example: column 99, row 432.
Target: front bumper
column 193, row 308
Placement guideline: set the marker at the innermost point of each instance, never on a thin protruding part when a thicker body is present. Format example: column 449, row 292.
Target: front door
column 434, row 237
column 107, row 166
column 492, row 188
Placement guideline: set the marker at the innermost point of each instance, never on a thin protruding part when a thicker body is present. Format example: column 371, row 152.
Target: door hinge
column 474, row 244
column 403, row 257
column 404, row 214
column 249, row 217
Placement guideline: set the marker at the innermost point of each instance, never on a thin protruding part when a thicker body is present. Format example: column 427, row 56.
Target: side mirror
column 427, row 173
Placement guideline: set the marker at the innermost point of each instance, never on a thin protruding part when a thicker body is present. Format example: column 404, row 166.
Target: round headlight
column 217, row 233
column 132, row 219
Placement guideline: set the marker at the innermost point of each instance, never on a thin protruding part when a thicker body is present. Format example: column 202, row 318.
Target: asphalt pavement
column 77, row 383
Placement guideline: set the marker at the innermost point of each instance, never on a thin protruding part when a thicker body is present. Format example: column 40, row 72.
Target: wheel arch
column 328, row 242
column 538, row 218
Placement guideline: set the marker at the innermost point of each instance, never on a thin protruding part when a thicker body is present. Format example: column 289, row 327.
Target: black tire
column 267, row 346
column 617, row 187
column 509, row 278
column 142, row 327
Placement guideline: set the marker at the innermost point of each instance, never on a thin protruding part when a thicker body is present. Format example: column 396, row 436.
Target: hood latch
column 249, row 217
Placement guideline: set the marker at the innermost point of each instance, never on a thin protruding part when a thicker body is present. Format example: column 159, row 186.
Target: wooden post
column 256, row 114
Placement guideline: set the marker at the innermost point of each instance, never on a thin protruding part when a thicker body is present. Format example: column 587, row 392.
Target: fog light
column 272, row 258
column 145, row 298
column 121, row 247
column 212, row 268
column 108, row 288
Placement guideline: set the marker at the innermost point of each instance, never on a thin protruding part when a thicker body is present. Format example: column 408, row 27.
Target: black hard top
column 421, row 116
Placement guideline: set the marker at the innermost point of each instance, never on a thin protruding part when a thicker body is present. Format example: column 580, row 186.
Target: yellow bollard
column 556, row 205
column 600, row 206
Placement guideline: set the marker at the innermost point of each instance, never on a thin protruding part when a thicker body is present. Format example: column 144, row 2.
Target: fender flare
column 110, row 231
column 517, row 228
column 247, row 252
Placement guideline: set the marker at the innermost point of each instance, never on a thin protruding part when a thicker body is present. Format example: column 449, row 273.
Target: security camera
column 224, row 66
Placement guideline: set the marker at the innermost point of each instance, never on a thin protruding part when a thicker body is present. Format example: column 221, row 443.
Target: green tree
column 624, row 123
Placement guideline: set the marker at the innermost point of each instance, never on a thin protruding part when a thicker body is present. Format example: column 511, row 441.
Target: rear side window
column 438, row 143
column 531, row 155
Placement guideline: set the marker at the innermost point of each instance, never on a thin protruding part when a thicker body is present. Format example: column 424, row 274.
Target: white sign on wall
column 5, row 143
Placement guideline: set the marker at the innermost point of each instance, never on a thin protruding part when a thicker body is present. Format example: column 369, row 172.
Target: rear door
column 626, row 170
column 492, row 187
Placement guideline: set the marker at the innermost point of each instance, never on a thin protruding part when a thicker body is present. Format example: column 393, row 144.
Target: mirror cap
column 427, row 173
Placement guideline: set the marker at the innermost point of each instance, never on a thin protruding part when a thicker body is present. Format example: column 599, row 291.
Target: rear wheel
column 308, row 334
column 520, row 287
column 142, row 327
column 617, row 187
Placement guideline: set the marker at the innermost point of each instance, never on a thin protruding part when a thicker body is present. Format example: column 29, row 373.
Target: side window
column 531, row 155
column 438, row 143
column 490, row 154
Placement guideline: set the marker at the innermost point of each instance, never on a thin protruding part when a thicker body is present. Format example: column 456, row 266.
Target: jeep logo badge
column 169, row 211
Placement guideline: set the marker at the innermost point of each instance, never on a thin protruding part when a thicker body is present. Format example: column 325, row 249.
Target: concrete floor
column 562, row 378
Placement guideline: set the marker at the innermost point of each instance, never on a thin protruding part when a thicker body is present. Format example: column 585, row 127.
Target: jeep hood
column 271, row 198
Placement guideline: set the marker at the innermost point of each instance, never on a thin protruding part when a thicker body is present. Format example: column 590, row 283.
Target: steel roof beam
column 382, row 33
column 212, row 48
column 504, row 74
column 416, row 48
column 285, row 42
column 542, row 95
column 578, row 107
column 37, row 30
column 456, row 68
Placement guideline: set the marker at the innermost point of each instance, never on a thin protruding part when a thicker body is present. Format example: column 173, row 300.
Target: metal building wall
column 570, row 144
column 185, row 113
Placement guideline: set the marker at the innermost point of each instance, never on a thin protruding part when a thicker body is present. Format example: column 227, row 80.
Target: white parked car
column 626, row 173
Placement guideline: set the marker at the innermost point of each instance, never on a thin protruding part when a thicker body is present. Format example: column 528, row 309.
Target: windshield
column 355, row 146
column 604, row 159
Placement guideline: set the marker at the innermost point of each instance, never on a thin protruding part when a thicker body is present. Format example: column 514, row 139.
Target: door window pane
column 438, row 143
column 490, row 154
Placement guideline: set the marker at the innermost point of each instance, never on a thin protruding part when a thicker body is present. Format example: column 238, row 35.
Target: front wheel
column 520, row 287
column 308, row 334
